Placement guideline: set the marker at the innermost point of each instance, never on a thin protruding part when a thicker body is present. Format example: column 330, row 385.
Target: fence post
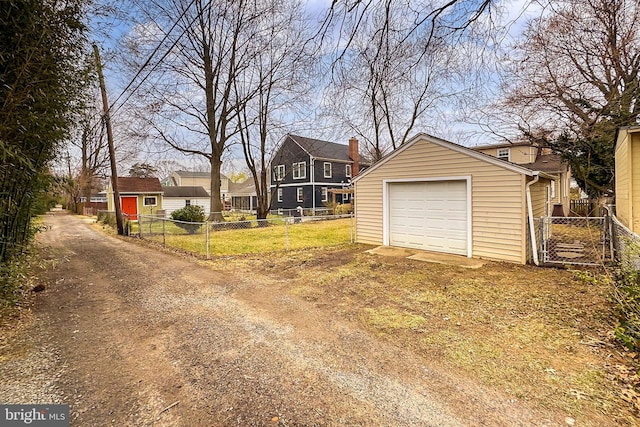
column 140, row 226
column 164, row 232
column 542, row 240
column 351, row 233
column 208, row 238
column 610, row 229
column 286, row 234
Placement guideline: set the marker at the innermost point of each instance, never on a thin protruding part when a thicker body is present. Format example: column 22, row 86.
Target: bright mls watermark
column 34, row 415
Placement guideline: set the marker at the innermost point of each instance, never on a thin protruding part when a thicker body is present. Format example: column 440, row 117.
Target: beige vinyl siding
column 635, row 182
column 368, row 204
column 623, row 179
column 194, row 181
column 539, row 197
column 497, row 226
column 517, row 154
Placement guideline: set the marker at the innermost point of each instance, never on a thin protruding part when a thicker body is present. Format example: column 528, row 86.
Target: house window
column 345, row 197
column 327, row 170
column 504, row 154
column 187, row 202
column 553, row 189
column 279, row 194
column 299, row 194
column 151, row 201
column 279, row 173
column 299, row 170
column 325, row 194
column 348, row 171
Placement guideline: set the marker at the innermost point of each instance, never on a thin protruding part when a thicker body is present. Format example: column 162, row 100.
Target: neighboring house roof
column 185, row 191
column 192, row 174
column 242, row 188
column 130, row 184
column 455, row 147
column 550, row 163
column 323, row 149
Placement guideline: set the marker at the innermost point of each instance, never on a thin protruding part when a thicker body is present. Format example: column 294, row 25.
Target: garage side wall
column 539, row 192
column 635, row 182
column 497, row 220
column 623, row 181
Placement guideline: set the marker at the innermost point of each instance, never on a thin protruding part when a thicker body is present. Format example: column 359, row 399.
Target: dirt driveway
column 131, row 336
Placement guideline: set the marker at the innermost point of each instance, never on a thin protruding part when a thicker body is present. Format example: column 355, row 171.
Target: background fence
column 622, row 238
column 575, row 240
column 586, row 241
column 239, row 235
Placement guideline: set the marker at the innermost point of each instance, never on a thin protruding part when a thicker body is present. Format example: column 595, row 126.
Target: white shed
column 178, row 197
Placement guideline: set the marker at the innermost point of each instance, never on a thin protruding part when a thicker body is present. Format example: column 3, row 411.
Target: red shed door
column 130, row 207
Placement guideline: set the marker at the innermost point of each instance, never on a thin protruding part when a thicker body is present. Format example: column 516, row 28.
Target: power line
column 155, row 51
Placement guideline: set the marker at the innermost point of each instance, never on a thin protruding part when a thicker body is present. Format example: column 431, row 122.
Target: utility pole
column 112, row 151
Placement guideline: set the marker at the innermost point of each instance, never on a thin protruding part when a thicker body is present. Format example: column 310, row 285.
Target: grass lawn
column 275, row 237
column 542, row 336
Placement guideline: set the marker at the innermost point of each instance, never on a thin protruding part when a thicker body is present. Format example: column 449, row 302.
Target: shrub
column 107, row 218
column 342, row 209
column 189, row 214
column 626, row 296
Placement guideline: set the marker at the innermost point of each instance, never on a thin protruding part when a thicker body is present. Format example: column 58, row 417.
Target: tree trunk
column 216, row 197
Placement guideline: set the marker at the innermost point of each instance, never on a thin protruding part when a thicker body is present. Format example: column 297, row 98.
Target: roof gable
column 130, row 184
column 452, row 146
column 322, row 149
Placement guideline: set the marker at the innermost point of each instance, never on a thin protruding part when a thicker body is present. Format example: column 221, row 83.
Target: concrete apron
column 436, row 257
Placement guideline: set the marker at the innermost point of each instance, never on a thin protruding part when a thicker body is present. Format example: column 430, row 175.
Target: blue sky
column 515, row 16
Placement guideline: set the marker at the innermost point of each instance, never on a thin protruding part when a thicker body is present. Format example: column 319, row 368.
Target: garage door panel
column 429, row 215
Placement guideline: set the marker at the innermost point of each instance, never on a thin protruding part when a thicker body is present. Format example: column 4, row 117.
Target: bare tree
column 399, row 66
column 388, row 81
column 190, row 103
column 276, row 81
column 94, row 153
column 349, row 17
column 574, row 79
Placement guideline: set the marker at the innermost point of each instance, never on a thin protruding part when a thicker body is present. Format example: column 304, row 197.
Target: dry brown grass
column 540, row 335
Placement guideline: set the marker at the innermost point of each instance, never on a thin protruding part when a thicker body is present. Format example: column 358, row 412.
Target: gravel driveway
column 128, row 335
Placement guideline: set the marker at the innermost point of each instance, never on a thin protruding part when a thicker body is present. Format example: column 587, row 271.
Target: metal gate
column 575, row 240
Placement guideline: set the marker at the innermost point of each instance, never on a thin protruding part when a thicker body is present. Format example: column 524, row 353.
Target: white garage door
column 429, row 215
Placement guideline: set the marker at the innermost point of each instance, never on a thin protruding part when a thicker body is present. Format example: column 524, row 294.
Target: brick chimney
column 354, row 155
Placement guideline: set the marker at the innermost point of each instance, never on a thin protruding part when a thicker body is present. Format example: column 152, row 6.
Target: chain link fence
column 575, row 240
column 239, row 235
column 625, row 243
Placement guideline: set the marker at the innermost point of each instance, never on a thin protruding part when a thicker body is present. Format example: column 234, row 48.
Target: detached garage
column 434, row 195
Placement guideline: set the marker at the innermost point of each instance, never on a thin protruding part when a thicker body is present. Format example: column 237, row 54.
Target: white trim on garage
column 385, row 207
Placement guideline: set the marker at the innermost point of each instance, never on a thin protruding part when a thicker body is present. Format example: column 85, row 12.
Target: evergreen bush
column 189, row 214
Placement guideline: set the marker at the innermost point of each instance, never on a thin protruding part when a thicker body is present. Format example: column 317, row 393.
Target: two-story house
column 304, row 170
column 540, row 159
